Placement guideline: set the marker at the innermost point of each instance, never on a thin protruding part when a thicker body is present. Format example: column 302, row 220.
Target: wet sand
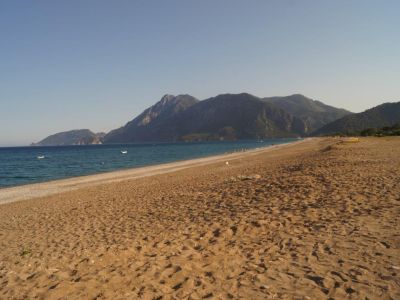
column 316, row 220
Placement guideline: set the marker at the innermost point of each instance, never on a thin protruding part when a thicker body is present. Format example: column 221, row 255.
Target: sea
column 25, row 165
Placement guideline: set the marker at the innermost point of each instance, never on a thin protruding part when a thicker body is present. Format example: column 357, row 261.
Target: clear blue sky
column 97, row 64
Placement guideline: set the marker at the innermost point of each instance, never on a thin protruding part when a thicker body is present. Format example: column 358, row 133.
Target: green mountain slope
column 386, row 114
column 314, row 113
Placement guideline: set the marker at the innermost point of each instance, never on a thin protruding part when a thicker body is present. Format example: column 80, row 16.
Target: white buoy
column 227, row 163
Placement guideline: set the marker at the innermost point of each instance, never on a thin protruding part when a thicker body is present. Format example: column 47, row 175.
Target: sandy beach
column 314, row 220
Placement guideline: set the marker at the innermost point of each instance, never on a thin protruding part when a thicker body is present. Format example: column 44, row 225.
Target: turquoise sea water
column 23, row 165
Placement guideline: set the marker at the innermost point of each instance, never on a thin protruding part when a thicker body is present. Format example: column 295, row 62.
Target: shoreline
column 47, row 188
column 315, row 219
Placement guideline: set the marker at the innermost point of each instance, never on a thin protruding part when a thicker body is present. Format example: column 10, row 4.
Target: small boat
column 124, row 151
column 40, row 157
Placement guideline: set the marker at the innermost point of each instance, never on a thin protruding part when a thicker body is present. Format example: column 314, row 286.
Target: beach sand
column 315, row 220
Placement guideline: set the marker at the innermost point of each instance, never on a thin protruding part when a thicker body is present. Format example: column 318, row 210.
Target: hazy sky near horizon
column 97, row 64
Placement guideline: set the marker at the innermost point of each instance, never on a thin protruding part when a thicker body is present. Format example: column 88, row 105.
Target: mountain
column 224, row 117
column 147, row 125
column 72, row 137
column 227, row 116
column 387, row 114
column 234, row 116
column 315, row 114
